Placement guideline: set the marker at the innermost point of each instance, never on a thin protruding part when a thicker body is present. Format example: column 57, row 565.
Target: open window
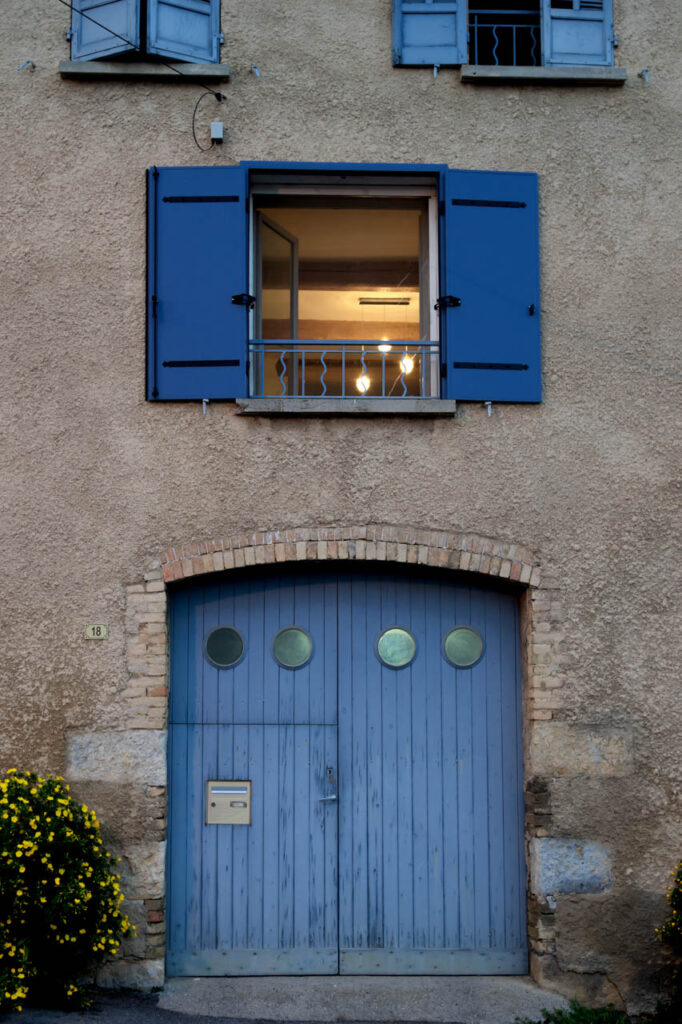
column 512, row 33
column 346, row 282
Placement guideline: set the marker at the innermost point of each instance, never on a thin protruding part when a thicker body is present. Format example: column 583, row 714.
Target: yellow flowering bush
column 670, row 931
column 60, row 902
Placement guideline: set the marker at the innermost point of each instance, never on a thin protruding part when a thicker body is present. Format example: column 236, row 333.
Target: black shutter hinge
column 441, row 207
column 155, row 306
column 155, row 172
column 447, row 301
column 531, row 309
column 248, row 366
column 443, row 370
column 244, row 299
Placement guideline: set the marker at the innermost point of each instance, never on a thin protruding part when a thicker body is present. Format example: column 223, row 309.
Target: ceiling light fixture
column 398, row 300
column 384, row 348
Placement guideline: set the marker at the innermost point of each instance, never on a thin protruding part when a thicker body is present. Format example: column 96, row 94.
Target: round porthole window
column 224, row 647
column 292, row 647
column 396, row 647
column 463, row 647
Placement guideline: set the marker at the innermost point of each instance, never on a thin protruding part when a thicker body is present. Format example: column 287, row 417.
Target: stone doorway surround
column 136, row 754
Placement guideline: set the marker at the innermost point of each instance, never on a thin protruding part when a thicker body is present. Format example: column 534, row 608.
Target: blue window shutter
column 118, row 30
column 491, row 339
column 580, row 36
column 197, row 260
column 184, row 29
column 429, row 32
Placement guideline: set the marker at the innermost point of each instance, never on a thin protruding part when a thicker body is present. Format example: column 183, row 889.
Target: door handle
column 327, row 799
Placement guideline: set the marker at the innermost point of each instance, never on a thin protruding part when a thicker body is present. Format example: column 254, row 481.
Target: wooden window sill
column 492, row 74
column 93, row 69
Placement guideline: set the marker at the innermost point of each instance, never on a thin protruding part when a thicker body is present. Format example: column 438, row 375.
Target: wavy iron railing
column 343, row 369
column 504, row 37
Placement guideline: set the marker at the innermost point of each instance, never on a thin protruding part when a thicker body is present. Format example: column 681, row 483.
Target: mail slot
column 228, row 802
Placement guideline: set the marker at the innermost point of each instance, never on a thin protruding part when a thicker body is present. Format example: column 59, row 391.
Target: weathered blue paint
column 431, row 873
column 118, row 30
column 490, row 262
column 418, row 865
column 197, row 260
column 184, row 29
column 429, row 33
column 581, row 36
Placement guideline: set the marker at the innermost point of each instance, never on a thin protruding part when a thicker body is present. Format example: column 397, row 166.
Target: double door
column 377, row 719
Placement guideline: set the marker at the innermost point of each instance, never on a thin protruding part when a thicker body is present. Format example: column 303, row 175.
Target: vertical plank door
column 431, row 866
column 258, row 898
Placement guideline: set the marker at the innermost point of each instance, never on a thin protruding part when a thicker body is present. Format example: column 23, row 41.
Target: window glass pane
column 396, row 647
column 463, row 647
column 224, row 647
column 277, row 257
column 292, row 647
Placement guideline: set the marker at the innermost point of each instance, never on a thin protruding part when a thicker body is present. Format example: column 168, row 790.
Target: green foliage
column 60, row 903
column 578, row 1014
column 670, row 931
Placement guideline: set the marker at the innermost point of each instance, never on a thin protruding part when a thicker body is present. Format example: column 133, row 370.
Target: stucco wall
column 97, row 483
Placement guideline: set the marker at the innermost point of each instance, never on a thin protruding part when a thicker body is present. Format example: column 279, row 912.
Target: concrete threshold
column 465, row 1000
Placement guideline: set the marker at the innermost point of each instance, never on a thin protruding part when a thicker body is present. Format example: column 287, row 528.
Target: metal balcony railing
column 344, row 369
column 505, row 37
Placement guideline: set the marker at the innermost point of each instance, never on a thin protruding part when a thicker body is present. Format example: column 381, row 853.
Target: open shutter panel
column 185, row 29
column 197, row 260
column 100, row 28
column 577, row 32
column 491, row 323
column 429, row 32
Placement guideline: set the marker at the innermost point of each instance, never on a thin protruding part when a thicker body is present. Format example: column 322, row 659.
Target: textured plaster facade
column 110, row 501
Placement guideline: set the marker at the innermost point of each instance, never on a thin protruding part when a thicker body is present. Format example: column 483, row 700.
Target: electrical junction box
column 228, row 803
column 217, row 131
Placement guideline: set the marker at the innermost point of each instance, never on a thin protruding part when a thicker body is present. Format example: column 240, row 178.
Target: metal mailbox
column 228, row 802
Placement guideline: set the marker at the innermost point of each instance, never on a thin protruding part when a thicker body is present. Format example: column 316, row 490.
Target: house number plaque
column 97, row 631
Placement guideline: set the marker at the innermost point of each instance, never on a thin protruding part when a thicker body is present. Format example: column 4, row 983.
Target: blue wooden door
column 258, row 898
column 386, row 838
column 431, row 864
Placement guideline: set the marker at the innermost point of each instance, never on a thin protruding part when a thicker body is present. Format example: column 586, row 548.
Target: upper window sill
column 143, row 70
column 491, row 74
column 347, row 407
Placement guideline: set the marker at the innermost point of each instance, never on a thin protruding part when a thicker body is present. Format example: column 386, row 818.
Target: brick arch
column 384, row 543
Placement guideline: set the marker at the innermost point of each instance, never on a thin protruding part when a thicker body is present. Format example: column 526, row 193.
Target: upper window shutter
column 197, row 260
column 581, row 35
column 429, row 32
column 491, row 331
column 112, row 26
column 185, row 29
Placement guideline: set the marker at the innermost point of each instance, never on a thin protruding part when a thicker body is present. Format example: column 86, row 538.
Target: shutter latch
column 244, row 299
column 221, row 38
column 69, row 33
column 447, row 301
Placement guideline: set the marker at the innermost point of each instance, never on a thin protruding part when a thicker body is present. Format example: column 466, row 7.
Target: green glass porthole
column 463, row 647
column 396, row 647
column 292, row 647
column 224, row 647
